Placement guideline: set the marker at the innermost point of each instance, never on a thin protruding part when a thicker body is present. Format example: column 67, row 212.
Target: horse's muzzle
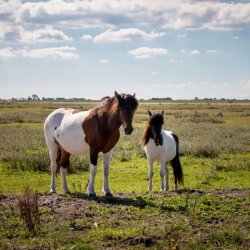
column 128, row 130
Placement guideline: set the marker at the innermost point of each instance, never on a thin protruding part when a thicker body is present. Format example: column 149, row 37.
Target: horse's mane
column 111, row 104
column 108, row 103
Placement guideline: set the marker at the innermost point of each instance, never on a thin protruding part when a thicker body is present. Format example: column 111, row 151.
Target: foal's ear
column 149, row 113
column 162, row 112
column 134, row 95
column 119, row 98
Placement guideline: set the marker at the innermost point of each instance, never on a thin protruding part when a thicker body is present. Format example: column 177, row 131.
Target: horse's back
column 65, row 126
column 53, row 121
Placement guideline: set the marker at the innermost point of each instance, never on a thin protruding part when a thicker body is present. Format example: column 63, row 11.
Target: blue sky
column 179, row 49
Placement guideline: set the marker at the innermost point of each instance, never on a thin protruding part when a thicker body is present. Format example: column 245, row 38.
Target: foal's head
column 155, row 122
column 127, row 104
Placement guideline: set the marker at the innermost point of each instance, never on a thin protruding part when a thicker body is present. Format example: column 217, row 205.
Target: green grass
column 184, row 221
column 130, row 176
column 211, row 211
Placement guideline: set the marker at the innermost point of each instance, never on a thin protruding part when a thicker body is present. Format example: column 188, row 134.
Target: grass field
column 211, row 211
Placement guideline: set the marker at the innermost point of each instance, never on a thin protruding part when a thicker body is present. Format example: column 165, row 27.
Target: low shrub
column 27, row 204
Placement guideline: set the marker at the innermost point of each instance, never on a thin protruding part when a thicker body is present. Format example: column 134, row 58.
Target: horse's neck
column 113, row 121
column 109, row 120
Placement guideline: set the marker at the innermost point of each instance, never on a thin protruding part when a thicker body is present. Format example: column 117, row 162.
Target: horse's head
column 156, row 121
column 127, row 104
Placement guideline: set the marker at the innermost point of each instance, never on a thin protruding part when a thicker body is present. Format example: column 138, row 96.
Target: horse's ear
column 119, row 98
column 149, row 113
column 134, row 95
column 162, row 112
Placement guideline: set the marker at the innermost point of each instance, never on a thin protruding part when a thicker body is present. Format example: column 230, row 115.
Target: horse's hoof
column 92, row 195
column 67, row 192
column 52, row 192
column 109, row 195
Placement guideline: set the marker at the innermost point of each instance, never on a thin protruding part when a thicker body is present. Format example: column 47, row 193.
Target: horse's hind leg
column 106, row 159
column 53, row 153
column 64, row 166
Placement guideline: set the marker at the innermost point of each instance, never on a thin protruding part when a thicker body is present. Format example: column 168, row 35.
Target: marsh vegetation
column 215, row 154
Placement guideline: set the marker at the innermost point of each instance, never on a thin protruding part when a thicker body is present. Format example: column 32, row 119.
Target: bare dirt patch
column 63, row 204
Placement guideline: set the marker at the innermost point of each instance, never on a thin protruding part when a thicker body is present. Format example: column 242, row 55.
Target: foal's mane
column 146, row 135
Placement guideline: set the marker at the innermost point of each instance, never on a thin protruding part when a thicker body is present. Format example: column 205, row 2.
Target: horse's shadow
column 137, row 201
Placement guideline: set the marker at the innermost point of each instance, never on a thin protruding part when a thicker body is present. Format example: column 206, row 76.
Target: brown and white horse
column 162, row 146
column 69, row 131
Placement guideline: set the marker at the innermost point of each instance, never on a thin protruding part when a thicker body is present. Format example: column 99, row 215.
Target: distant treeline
column 35, row 97
column 197, row 99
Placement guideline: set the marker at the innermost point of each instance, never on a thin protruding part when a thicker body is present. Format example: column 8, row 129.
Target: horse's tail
column 176, row 164
column 62, row 160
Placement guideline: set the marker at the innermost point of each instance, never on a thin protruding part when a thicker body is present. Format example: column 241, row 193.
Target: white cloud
column 194, row 52
column 54, row 52
column 18, row 34
column 126, row 35
column 87, row 37
column 47, row 34
column 212, row 51
column 236, row 37
column 103, row 61
column 7, row 53
column 191, row 52
column 177, row 14
column 145, row 52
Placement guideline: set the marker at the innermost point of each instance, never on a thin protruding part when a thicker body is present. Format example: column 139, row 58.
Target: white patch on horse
column 70, row 134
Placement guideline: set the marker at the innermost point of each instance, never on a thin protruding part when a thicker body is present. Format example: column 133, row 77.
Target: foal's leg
column 163, row 173
column 53, row 150
column 106, row 160
column 150, row 172
column 167, row 177
column 93, row 168
column 63, row 170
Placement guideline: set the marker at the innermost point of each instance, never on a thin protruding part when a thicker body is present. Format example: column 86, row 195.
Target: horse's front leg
column 164, row 173
column 106, row 159
column 93, row 168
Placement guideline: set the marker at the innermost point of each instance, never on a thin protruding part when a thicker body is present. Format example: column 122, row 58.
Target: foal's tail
column 176, row 164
